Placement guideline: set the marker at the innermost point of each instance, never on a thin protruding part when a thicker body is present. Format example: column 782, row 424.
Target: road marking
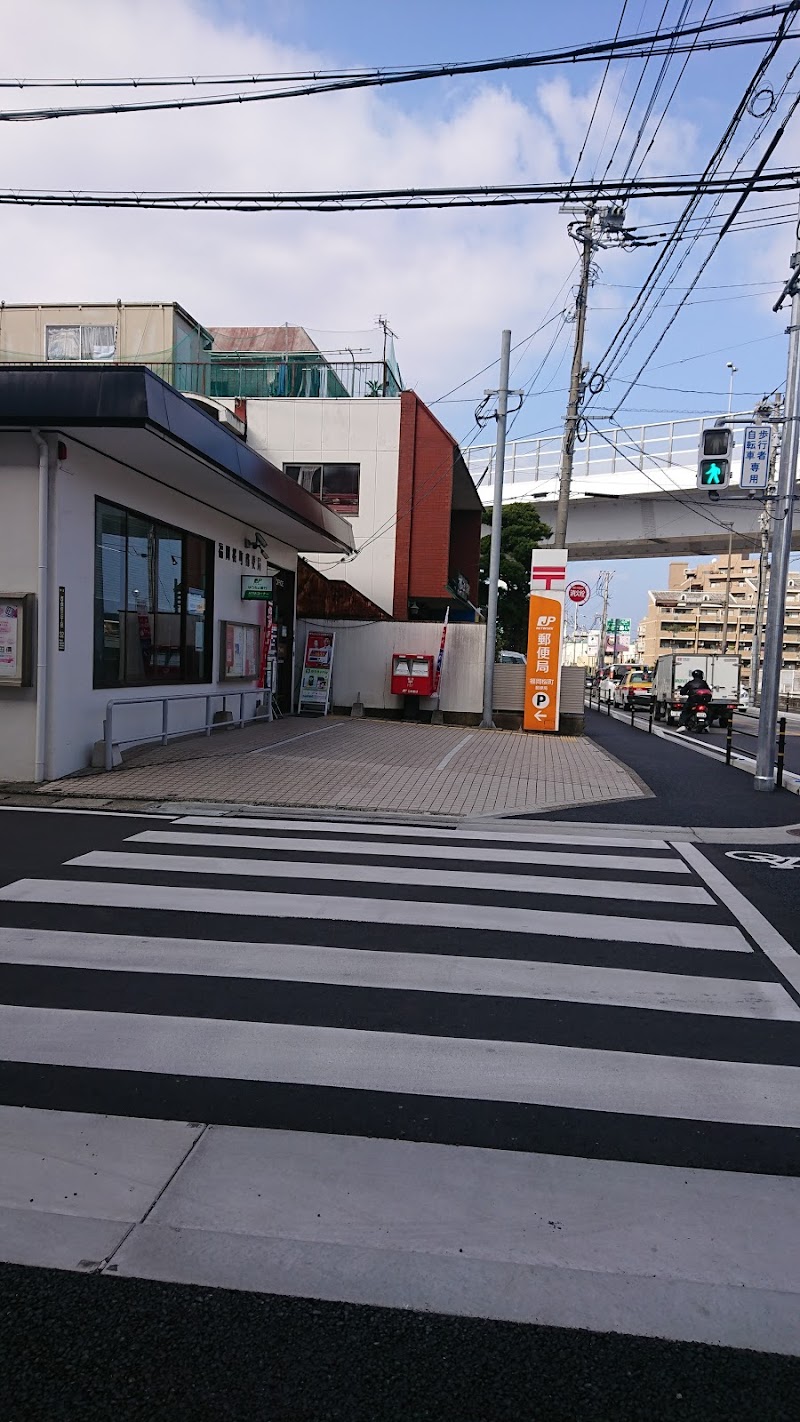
column 362, row 828
column 452, row 853
column 438, row 879
column 446, row 759
column 407, row 913
column 410, row 972
column 289, row 740
column 633, row 1083
column 769, row 940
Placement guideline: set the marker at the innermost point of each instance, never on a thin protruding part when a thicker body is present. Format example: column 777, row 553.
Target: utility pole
column 763, row 561
column 761, row 597
column 497, row 529
column 783, row 505
column 727, row 608
column 586, row 235
column 601, row 651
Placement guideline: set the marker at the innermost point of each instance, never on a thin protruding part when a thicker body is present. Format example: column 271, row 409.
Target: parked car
column 634, row 692
column 514, row 659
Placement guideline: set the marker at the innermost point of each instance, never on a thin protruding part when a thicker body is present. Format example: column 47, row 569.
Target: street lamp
column 733, row 369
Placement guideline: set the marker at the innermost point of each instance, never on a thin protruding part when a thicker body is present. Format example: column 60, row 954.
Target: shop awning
column 133, row 417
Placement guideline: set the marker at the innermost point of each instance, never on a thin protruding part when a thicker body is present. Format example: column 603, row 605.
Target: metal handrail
column 605, row 451
column 165, row 734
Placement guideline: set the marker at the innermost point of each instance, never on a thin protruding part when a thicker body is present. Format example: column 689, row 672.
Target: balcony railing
column 264, row 376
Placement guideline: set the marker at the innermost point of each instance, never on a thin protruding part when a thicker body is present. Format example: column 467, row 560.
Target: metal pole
column 601, row 651
column 726, row 612
column 783, row 506
column 758, row 623
column 571, row 422
column 497, row 529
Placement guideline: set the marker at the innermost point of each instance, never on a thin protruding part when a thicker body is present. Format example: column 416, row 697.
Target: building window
column 64, row 343
column 153, row 588
column 335, row 485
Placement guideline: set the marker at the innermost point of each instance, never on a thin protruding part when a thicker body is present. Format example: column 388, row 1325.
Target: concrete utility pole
column 585, row 232
column 497, row 529
column 763, row 561
column 727, row 608
column 783, row 506
column 601, row 651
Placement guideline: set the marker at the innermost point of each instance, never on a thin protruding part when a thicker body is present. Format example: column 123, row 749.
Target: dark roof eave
column 42, row 396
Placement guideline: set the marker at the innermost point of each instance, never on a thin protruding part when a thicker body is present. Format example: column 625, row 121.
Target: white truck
column 674, row 670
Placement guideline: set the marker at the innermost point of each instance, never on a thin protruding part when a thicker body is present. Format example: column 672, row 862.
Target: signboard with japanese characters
column 16, row 637
column 755, row 456
column 545, row 633
column 316, row 679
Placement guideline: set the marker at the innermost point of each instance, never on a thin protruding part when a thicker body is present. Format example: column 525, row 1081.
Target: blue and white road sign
column 755, row 456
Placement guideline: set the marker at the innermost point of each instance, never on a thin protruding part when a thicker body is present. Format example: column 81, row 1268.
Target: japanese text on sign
column 755, row 456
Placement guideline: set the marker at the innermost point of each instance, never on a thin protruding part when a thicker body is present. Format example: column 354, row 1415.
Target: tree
column 523, row 530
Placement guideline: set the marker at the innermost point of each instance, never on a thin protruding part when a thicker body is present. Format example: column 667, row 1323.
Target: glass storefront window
column 152, row 601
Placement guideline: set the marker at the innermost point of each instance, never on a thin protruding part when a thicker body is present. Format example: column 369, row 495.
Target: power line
column 389, row 199
column 637, row 46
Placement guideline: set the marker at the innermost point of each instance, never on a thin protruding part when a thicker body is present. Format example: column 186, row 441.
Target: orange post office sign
column 545, row 632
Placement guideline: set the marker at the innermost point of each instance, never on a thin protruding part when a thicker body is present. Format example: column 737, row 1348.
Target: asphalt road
column 685, row 788
column 97, row 1346
column 95, row 1349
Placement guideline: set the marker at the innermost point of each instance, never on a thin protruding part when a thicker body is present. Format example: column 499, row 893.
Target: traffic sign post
column 578, row 593
column 755, row 456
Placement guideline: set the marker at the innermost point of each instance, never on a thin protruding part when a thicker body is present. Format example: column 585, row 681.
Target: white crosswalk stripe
column 368, row 993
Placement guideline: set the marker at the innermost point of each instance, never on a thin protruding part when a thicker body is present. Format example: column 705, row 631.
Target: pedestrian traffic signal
column 714, row 462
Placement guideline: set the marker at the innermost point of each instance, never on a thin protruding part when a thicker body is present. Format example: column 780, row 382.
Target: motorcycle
column 698, row 715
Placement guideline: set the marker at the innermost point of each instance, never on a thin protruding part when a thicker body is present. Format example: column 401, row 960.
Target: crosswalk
column 566, row 974
column 584, row 1002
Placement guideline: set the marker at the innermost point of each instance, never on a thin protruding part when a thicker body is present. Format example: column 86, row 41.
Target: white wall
column 78, row 709
column 362, row 661
column 19, row 556
column 365, row 432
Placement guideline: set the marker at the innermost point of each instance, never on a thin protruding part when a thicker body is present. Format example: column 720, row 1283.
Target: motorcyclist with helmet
column 698, row 693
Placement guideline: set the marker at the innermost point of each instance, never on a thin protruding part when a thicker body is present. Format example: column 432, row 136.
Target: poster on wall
column 241, row 645
column 16, row 628
column 317, row 675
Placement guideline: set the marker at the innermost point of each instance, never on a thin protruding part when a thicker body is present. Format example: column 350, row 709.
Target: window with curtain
column 90, row 342
column 152, row 601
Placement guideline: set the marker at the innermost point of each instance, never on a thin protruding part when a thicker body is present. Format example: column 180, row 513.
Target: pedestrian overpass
column 634, row 491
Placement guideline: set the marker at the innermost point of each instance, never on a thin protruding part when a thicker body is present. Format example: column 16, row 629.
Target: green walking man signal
column 714, row 458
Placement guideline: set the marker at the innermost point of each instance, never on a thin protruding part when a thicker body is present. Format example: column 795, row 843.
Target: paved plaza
column 390, row 767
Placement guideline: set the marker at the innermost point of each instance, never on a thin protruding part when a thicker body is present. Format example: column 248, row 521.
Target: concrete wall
column 19, row 513
column 365, row 432
column 362, row 661
column 77, row 709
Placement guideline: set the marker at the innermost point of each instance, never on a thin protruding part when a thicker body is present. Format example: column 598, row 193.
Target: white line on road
column 410, row 972
column 769, row 940
column 439, row 878
column 360, row 828
column 446, row 759
column 634, row 1083
column 406, row 913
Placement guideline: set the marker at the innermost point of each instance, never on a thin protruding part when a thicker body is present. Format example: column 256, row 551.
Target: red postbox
column 412, row 674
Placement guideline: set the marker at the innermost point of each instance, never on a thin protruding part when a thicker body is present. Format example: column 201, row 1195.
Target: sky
column 449, row 282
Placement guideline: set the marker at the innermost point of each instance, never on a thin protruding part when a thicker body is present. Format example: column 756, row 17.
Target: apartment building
column 689, row 615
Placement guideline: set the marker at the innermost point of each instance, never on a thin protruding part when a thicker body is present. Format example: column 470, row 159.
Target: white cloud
column 449, row 281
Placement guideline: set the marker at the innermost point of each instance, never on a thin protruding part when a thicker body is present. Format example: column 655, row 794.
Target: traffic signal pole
column 487, row 719
column 783, row 506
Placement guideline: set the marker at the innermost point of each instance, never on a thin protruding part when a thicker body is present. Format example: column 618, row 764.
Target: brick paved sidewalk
column 369, row 765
